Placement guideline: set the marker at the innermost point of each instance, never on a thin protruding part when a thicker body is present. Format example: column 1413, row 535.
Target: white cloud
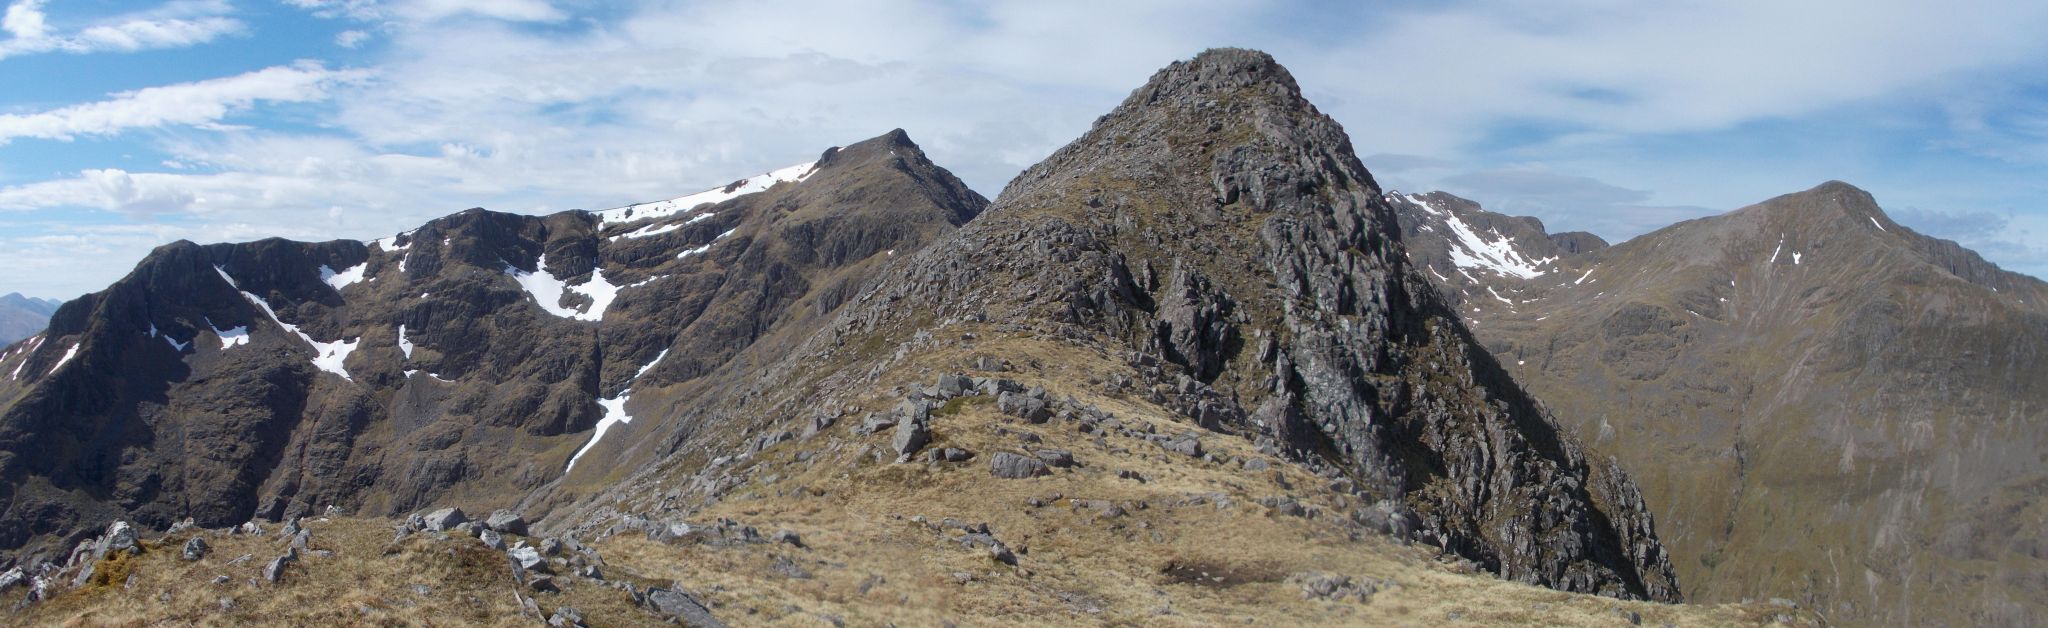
column 173, row 25
column 351, row 38
column 24, row 20
column 472, row 105
column 198, row 103
column 432, row 10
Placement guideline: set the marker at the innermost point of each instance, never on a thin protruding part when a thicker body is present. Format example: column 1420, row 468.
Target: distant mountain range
column 21, row 317
column 1821, row 404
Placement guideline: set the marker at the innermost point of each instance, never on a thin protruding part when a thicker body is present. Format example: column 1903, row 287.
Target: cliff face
column 471, row 357
column 1822, row 404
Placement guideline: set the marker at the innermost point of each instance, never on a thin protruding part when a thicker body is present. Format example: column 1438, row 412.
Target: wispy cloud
column 173, row 25
column 432, row 10
column 197, row 103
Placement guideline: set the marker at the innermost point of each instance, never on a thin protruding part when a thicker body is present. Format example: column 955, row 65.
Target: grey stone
column 789, row 537
column 506, row 522
column 1011, row 466
column 491, row 539
column 681, row 606
column 443, row 520
column 1056, row 457
column 1023, row 407
column 12, row 578
column 951, row 386
column 543, row 584
column 274, row 571
column 911, row 435
column 529, row 559
column 566, row 617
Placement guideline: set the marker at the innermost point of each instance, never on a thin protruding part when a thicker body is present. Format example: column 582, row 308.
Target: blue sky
column 126, row 125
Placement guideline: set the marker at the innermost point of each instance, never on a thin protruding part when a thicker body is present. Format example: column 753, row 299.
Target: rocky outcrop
column 1219, row 240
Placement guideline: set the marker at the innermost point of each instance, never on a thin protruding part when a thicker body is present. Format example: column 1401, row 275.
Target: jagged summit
column 1219, row 238
column 1217, row 70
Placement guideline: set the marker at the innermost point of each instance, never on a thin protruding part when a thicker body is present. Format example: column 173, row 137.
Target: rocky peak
column 1221, row 234
column 1830, row 206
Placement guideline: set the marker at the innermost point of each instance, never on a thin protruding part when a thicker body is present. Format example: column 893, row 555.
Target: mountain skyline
column 357, row 119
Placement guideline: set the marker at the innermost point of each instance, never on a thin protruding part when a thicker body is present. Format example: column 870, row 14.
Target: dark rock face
column 269, row 379
column 1804, row 363
column 1223, row 236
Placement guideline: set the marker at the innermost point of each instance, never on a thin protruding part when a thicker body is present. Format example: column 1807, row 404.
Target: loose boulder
column 1011, row 466
column 506, row 522
column 681, row 606
column 445, row 519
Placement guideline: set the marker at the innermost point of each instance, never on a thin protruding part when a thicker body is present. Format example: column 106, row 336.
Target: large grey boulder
column 529, row 559
column 1055, row 457
column 506, row 522
column 444, row 520
column 681, row 606
column 950, row 386
column 274, row 571
column 1023, row 406
column 911, row 436
column 1011, row 466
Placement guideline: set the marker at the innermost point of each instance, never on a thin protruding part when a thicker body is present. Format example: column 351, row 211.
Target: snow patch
column 343, row 278
column 707, row 245
column 614, row 414
column 1470, row 250
column 327, row 356
column 547, row 290
column 404, row 345
column 650, row 365
column 1795, row 259
column 1582, row 278
column 1781, row 246
column 655, row 230
column 1880, row 226
column 68, row 354
column 1496, row 295
column 391, row 243
column 743, row 187
column 230, row 337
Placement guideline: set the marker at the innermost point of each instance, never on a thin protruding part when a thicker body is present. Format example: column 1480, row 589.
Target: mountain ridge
column 1803, row 362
